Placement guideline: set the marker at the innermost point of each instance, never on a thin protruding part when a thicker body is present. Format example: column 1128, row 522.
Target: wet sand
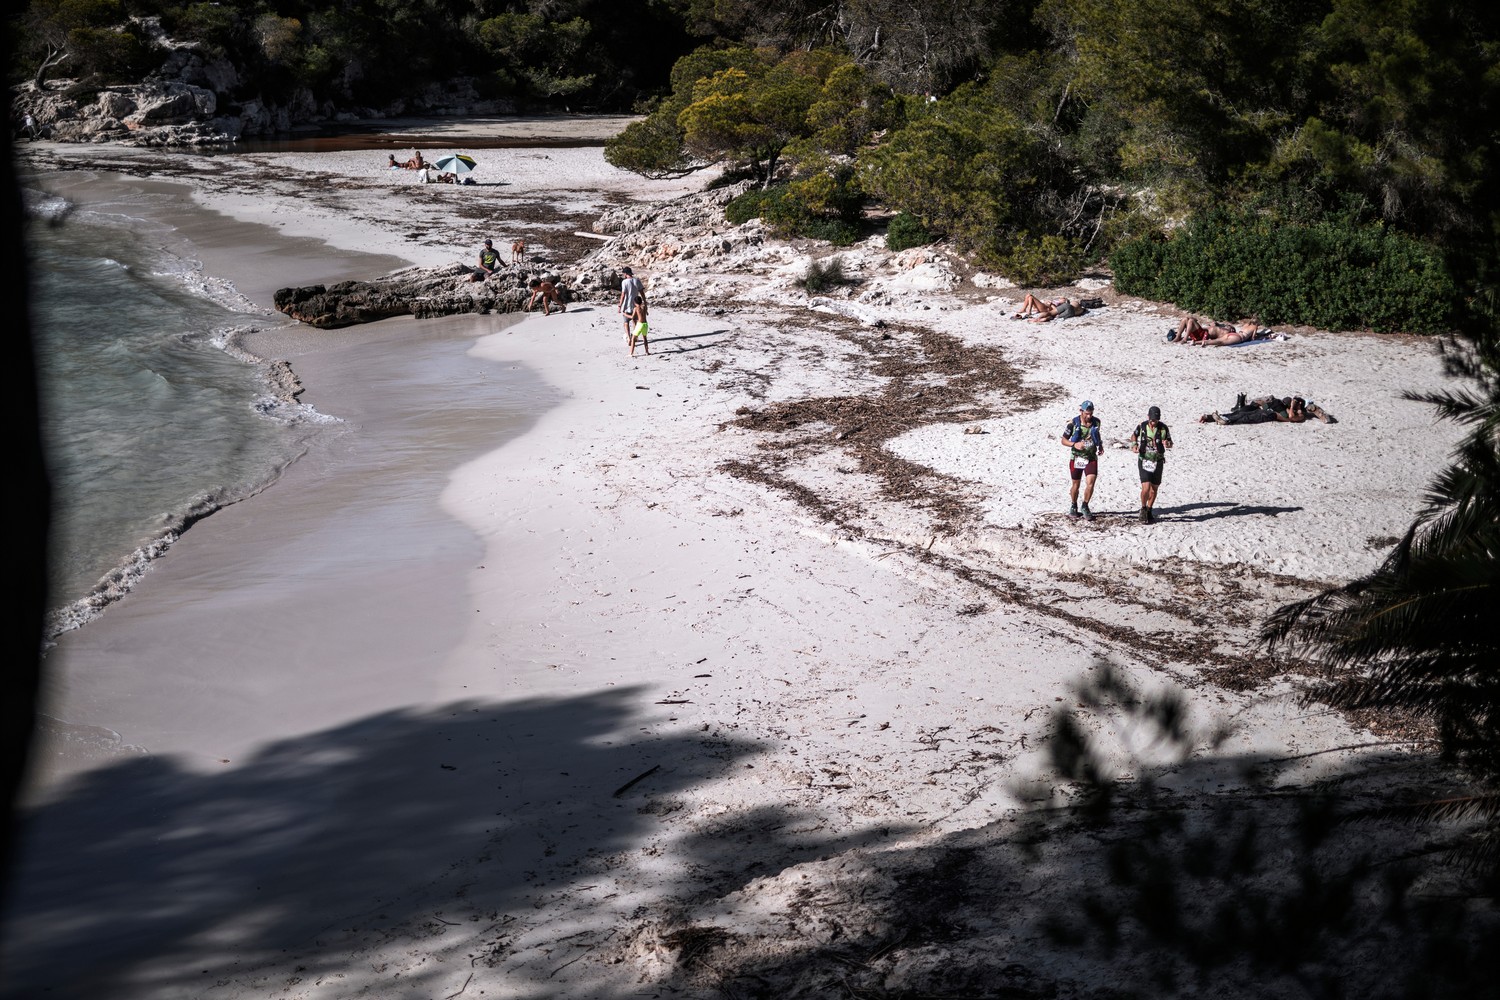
column 227, row 642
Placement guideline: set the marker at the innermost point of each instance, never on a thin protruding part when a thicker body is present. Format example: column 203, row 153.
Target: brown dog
column 518, row 251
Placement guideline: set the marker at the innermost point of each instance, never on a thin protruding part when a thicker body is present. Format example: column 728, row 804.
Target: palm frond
column 1420, row 634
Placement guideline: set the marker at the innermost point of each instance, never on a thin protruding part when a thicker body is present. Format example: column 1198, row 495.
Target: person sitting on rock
column 489, row 262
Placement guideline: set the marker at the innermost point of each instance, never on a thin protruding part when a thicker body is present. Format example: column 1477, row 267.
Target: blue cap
column 1087, row 404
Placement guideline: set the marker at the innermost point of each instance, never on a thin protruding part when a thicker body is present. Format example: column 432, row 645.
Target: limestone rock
column 415, row 291
column 169, row 104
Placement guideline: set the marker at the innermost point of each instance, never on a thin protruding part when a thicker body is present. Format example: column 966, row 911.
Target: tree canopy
column 368, row 53
column 750, row 107
column 1041, row 135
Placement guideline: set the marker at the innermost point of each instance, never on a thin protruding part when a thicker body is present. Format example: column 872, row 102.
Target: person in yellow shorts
column 639, row 329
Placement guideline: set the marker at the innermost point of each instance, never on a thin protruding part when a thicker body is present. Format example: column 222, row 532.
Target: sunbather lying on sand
column 1286, row 409
column 1191, row 330
column 1042, row 311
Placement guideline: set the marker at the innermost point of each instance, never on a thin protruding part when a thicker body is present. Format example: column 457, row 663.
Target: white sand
column 441, row 818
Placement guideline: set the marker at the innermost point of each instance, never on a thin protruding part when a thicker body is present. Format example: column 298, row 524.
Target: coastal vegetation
column 582, row 54
column 1344, row 148
column 1414, row 636
column 1323, row 163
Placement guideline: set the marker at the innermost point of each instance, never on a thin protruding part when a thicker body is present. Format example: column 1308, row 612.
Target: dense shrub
column 1334, row 274
column 111, row 55
column 906, row 231
column 1048, row 260
column 839, row 232
column 744, row 207
column 206, row 23
column 791, row 210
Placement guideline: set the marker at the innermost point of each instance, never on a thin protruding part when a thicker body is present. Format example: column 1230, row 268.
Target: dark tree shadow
column 150, row 872
column 1230, row 875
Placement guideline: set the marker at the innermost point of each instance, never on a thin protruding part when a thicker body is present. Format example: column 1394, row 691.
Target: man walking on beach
column 1150, row 442
column 631, row 290
column 1082, row 435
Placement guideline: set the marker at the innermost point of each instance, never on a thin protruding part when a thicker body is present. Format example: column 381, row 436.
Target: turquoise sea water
column 150, row 416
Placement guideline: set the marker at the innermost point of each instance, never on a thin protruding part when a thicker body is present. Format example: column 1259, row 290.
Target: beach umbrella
column 457, row 164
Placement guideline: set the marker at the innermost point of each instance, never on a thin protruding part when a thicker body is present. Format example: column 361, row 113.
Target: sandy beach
column 569, row 673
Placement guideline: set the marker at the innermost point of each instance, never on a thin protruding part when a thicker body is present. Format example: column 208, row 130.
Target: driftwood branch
column 634, row 781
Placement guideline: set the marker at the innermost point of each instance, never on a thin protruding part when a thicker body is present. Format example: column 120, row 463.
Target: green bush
column 112, row 55
column 906, row 231
column 1334, row 273
column 744, row 207
column 839, row 232
column 786, row 209
column 206, row 23
column 1050, row 260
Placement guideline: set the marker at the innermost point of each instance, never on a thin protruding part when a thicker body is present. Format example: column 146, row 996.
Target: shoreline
column 204, row 263
column 698, row 645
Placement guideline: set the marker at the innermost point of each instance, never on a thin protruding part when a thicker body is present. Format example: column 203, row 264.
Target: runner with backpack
column 1082, row 434
column 1150, row 442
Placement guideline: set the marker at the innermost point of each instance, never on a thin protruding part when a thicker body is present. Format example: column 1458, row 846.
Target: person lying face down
column 1192, row 330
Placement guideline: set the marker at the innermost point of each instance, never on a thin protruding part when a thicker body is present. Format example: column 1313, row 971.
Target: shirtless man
column 547, row 292
column 1215, row 334
column 641, row 330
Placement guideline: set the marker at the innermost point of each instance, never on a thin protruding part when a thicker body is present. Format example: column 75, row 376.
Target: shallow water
column 148, row 421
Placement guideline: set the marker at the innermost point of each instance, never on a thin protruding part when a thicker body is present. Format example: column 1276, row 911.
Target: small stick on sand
column 632, row 782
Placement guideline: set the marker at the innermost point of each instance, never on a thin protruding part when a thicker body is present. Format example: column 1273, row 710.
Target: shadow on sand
column 147, row 878
column 1214, row 511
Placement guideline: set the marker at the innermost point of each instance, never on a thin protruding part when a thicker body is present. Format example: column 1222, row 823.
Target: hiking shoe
column 1219, row 419
column 1150, row 516
column 1145, row 515
column 1073, row 511
column 1088, row 515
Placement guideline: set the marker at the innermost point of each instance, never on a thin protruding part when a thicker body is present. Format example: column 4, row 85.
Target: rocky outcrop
column 197, row 97
column 155, row 113
column 416, row 291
